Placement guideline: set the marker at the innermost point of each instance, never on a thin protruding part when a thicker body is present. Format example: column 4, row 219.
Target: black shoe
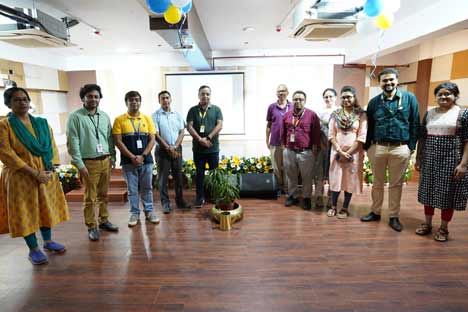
column 291, row 200
column 182, row 204
column 166, row 208
column 307, row 205
column 93, row 234
column 370, row 217
column 395, row 224
column 109, row 227
column 198, row 203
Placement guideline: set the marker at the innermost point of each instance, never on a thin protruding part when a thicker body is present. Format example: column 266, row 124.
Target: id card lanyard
column 202, row 116
column 99, row 148
column 295, row 122
column 139, row 143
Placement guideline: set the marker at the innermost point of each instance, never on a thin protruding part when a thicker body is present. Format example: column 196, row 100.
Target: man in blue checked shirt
column 169, row 133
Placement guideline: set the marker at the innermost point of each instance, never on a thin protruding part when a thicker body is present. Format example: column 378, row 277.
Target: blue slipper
column 37, row 257
column 54, row 247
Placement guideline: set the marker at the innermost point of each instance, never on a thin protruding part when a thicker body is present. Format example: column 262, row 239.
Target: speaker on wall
column 262, row 185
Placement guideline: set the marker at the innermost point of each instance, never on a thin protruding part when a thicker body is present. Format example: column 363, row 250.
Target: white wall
column 260, row 89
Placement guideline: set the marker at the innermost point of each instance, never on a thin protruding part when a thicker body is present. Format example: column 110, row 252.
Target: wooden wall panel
column 355, row 77
column 36, row 99
column 422, row 84
column 460, row 65
column 17, row 69
column 63, row 81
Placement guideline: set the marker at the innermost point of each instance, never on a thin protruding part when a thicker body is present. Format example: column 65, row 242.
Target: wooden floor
column 276, row 259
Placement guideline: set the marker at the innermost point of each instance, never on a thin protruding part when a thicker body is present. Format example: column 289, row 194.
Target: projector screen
column 227, row 92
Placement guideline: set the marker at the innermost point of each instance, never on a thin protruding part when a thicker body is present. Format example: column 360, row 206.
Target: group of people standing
column 328, row 145
column 31, row 197
column 307, row 148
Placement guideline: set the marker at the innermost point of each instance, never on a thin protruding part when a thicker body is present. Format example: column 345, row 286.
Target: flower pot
column 235, row 214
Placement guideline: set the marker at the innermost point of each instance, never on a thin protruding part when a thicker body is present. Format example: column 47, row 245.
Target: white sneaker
column 152, row 218
column 133, row 220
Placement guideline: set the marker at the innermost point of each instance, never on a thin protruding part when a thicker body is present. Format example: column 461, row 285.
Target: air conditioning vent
column 32, row 38
column 322, row 29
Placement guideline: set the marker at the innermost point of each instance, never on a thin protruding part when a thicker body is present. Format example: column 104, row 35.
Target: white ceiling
column 124, row 27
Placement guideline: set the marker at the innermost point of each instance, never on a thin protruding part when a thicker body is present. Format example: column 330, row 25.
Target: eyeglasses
column 347, row 97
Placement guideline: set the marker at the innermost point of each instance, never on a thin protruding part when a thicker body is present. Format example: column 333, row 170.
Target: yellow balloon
column 172, row 15
column 384, row 20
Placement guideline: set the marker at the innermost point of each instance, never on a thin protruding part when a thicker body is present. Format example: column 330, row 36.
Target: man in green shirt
column 204, row 122
column 393, row 129
column 90, row 144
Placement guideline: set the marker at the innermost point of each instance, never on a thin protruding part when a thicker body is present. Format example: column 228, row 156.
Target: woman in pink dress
column 347, row 134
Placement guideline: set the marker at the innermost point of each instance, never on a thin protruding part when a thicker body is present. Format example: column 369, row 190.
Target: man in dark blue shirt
column 393, row 127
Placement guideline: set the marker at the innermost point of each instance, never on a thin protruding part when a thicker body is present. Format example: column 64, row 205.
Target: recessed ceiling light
column 246, row 42
column 248, row 28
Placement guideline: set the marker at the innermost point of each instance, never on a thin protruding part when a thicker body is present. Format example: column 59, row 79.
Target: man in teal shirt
column 393, row 129
column 90, row 144
column 204, row 122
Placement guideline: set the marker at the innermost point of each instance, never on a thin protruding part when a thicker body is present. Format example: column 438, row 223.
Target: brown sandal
column 441, row 235
column 343, row 214
column 331, row 212
column 424, row 229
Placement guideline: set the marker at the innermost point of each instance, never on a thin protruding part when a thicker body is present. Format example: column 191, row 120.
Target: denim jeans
column 139, row 180
column 200, row 160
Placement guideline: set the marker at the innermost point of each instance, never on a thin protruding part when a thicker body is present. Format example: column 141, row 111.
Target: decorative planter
column 235, row 214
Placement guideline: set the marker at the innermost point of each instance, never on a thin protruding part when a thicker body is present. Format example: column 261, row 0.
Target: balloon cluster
column 172, row 9
column 379, row 13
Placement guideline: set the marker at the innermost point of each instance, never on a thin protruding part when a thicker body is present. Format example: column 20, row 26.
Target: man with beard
column 300, row 135
column 393, row 126
column 91, row 147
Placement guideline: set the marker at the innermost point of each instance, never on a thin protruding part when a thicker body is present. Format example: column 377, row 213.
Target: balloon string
column 374, row 58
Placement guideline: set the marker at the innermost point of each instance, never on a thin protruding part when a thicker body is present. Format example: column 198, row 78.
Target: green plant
column 223, row 190
column 68, row 176
column 369, row 176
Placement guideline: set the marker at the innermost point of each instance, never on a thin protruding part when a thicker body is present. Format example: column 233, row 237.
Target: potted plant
column 68, row 176
column 224, row 190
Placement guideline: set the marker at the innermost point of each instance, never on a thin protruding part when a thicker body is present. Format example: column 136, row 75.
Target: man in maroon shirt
column 300, row 134
column 274, row 119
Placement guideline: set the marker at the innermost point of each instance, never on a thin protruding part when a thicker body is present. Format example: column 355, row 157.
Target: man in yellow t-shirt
column 134, row 135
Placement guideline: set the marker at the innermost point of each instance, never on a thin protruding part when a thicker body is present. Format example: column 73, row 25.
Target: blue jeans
column 139, row 179
column 200, row 160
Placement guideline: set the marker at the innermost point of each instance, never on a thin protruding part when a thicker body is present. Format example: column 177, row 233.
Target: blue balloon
column 187, row 8
column 158, row 6
column 373, row 7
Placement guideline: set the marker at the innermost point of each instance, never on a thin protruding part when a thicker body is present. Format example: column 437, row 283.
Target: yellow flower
column 267, row 169
column 206, row 166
